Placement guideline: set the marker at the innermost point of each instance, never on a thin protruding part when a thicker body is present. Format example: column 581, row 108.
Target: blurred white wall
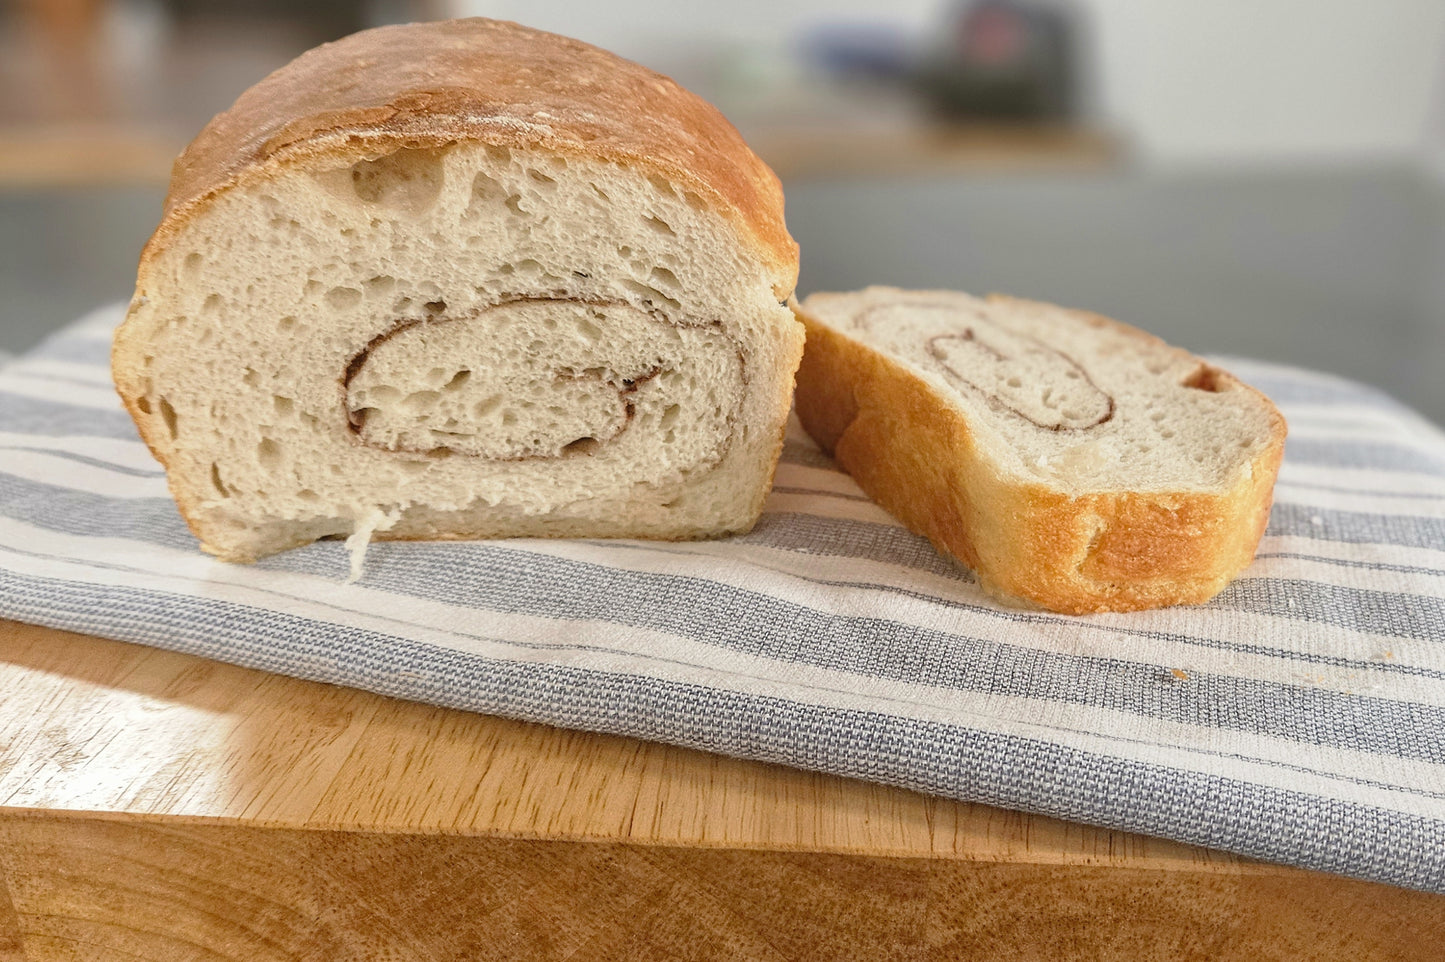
column 644, row 29
column 1193, row 82
column 1204, row 81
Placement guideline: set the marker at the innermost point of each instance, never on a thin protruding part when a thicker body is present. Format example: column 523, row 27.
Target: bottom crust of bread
column 1028, row 544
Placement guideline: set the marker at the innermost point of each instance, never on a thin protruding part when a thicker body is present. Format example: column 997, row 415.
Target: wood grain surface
column 159, row 806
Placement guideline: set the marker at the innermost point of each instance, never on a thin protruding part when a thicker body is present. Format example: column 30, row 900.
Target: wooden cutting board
column 159, row 806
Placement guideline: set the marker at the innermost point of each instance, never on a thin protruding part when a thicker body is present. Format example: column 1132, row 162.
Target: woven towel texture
column 1299, row 717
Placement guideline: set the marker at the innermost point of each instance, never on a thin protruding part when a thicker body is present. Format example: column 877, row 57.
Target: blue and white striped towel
column 1300, row 717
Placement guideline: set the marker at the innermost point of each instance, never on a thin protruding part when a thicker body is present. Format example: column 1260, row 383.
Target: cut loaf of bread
column 1072, row 462
column 464, row 280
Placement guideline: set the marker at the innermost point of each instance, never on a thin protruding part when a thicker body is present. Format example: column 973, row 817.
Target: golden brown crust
column 428, row 84
column 915, row 455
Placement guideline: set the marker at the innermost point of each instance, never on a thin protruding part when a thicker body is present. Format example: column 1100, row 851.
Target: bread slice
column 1073, row 462
column 464, row 280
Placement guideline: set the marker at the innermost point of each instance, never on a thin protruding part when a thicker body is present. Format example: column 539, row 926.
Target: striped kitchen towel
column 1299, row 717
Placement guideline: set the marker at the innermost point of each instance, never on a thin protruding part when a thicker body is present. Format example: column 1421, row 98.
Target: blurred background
column 1251, row 177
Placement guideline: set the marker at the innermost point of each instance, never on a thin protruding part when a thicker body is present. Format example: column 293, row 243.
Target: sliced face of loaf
column 464, row 279
column 459, row 342
column 1073, row 462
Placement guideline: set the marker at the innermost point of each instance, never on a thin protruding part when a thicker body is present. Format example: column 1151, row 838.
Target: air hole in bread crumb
column 343, row 298
column 541, row 178
column 408, row 180
column 144, row 404
column 500, row 155
column 168, row 415
column 485, row 190
column 663, row 277
column 1204, row 378
column 659, row 225
column 216, row 481
column 694, row 201
column 602, row 194
column 458, row 380
column 651, row 296
column 588, row 330
column 419, row 401
column 514, row 204
column 435, row 307
column 661, row 185
column 582, row 446
column 192, row 264
column 284, row 405
column 212, row 304
column 268, row 452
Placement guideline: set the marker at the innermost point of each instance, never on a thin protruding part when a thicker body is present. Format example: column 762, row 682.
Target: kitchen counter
column 159, row 806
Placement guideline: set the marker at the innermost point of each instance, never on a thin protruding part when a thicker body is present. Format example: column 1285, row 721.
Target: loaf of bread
column 1074, row 463
column 464, row 280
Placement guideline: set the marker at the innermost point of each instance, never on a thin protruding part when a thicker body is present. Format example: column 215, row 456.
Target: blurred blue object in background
column 877, row 50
